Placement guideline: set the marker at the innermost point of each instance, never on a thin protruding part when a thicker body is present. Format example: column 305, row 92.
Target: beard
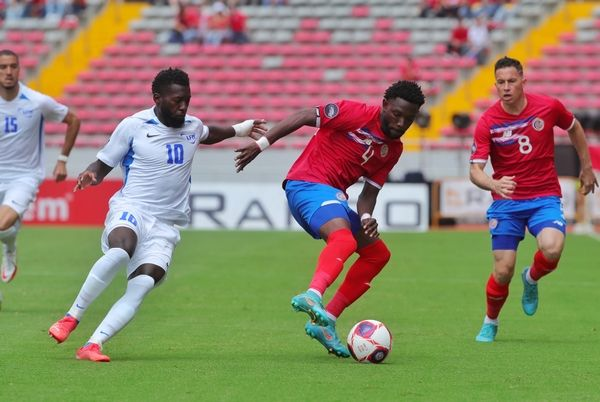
column 172, row 121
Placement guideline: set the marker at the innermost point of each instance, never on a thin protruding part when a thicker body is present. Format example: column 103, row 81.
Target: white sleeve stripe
column 478, row 161
column 572, row 124
column 371, row 182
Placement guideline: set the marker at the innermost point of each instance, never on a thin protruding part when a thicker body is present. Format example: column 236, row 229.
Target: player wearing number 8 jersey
column 353, row 140
column 155, row 149
column 517, row 134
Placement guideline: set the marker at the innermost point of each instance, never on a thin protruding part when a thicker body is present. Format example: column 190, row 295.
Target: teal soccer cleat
column 529, row 301
column 487, row 333
column 327, row 336
column 309, row 303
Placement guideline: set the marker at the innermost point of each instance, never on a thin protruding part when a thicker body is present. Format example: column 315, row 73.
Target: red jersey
column 523, row 145
column 348, row 145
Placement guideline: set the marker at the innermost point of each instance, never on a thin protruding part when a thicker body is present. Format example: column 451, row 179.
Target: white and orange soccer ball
column 369, row 341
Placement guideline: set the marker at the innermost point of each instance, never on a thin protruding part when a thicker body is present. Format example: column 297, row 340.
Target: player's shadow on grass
column 538, row 341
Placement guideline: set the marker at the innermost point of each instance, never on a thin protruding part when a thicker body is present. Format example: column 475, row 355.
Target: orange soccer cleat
column 62, row 328
column 93, row 352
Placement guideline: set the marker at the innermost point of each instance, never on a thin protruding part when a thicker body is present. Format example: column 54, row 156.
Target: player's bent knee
column 503, row 277
column 552, row 248
column 151, row 270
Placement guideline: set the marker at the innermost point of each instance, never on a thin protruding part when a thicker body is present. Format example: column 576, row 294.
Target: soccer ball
column 369, row 341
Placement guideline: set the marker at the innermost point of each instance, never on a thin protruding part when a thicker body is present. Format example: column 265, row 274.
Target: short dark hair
column 509, row 62
column 8, row 52
column 410, row 91
column 168, row 77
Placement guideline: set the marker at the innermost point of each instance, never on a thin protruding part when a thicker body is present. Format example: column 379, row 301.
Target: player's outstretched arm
column 365, row 206
column 93, row 175
column 504, row 187
column 248, row 128
column 304, row 117
column 73, row 123
column 586, row 177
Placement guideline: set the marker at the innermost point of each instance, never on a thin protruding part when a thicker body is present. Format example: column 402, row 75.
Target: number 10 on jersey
column 175, row 154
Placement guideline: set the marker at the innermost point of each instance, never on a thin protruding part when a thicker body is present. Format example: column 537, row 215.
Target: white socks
column 9, row 237
column 100, row 276
column 124, row 309
column 528, row 277
column 488, row 320
column 315, row 291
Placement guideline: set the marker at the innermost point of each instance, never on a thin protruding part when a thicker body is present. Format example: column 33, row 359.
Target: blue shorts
column 508, row 219
column 313, row 204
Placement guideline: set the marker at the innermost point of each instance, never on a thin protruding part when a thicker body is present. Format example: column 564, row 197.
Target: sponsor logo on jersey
column 507, row 133
column 538, row 124
column 493, row 223
column 384, row 150
column 331, row 110
column 151, row 135
column 190, row 136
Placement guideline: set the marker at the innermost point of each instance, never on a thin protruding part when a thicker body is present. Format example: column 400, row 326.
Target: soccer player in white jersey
column 22, row 115
column 155, row 148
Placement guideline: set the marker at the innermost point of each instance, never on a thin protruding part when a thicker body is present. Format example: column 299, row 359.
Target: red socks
column 496, row 296
column 371, row 261
column 340, row 246
column 541, row 266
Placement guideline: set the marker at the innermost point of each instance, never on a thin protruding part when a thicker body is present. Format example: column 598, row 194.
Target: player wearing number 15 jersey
column 155, row 149
column 23, row 112
column 517, row 134
column 353, row 141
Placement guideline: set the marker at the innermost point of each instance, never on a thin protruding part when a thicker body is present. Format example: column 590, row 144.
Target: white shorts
column 156, row 240
column 19, row 193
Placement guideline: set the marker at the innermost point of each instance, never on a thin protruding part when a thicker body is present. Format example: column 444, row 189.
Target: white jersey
column 22, row 132
column 156, row 161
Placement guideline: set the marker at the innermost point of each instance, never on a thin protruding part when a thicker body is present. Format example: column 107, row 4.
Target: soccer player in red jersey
column 517, row 134
column 354, row 140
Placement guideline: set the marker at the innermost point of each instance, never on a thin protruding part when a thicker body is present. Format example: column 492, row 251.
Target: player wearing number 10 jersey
column 354, row 140
column 517, row 134
column 155, row 149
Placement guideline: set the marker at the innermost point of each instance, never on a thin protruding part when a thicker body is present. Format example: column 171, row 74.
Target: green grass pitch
column 221, row 327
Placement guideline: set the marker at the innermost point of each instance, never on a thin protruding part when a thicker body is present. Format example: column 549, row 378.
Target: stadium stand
column 304, row 53
column 301, row 54
column 36, row 38
column 567, row 70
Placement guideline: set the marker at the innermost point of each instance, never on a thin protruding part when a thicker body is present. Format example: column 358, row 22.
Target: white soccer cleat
column 9, row 266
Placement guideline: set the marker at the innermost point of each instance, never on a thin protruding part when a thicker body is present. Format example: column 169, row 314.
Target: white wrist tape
column 364, row 216
column 244, row 128
column 62, row 158
column 263, row 143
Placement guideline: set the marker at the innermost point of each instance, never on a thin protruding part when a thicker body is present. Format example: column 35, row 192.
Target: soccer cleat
column 327, row 336
column 529, row 301
column 309, row 303
column 62, row 328
column 488, row 333
column 93, row 352
column 9, row 266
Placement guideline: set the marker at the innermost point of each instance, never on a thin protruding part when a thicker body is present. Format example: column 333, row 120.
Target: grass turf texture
column 221, row 328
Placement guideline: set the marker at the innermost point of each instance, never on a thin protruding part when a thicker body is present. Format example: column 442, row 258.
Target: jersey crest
column 538, row 124
column 190, row 136
column 384, row 150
